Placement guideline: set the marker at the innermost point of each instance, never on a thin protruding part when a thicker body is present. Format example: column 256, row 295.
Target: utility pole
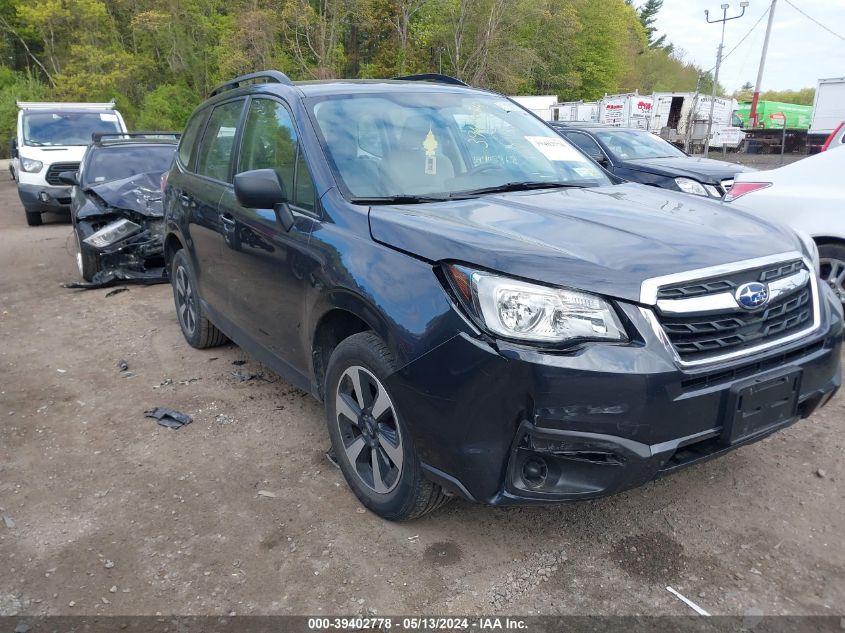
column 752, row 117
column 724, row 19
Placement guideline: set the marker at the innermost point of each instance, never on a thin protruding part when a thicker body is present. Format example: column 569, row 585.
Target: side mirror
column 13, row 148
column 68, row 178
column 260, row 189
column 263, row 189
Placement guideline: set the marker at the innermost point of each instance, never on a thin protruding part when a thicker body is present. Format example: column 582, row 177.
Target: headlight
column 811, row 249
column 111, row 233
column 530, row 312
column 688, row 185
column 31, row 165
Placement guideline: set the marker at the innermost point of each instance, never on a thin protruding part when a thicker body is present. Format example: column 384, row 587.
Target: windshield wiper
column 403, row 199
column 514, row 186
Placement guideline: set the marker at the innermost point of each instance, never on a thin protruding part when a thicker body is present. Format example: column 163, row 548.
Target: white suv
column 50, row 139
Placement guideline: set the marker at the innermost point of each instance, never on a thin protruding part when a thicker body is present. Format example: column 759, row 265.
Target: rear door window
column 215, row 152
column 189, row 138
column 584, row 143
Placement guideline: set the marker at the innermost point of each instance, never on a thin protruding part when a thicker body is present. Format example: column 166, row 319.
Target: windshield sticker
column 584, row 172
column 555, row 148
column 108, row 116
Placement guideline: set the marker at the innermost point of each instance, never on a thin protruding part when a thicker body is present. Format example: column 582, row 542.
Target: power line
column 744, row 37
column 811, row 19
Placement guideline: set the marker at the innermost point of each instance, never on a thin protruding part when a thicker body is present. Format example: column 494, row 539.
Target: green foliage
column 167, row 108
column 805, row 96
column 648, row 16
column 159, row 58
column 16, row 86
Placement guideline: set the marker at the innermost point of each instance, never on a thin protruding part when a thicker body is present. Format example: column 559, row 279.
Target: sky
column 800, row 52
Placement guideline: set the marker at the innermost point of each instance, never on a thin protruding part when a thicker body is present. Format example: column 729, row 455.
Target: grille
column 699, row 336
column 728, row 284
column 53, row 171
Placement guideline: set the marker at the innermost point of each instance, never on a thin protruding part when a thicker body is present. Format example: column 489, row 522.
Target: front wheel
column 369, row 437
column 196, row 327
column 832, row 259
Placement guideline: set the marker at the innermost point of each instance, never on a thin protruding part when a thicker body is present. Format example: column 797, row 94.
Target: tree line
column 159, row 58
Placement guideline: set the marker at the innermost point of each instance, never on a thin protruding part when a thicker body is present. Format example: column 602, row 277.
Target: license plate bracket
column 760, row 404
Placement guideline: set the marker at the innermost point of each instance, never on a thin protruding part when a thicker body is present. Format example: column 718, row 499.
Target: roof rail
column 60, row 105
column 443, row 79
column 269, row 76
column 98, row 137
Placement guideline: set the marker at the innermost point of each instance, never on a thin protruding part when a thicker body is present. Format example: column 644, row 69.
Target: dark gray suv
column 482, row 310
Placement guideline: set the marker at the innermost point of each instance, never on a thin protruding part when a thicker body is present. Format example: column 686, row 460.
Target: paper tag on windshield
column 555, row 148
column 108, row 116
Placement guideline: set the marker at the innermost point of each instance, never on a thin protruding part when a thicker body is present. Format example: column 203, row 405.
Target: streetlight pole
column 723, row 19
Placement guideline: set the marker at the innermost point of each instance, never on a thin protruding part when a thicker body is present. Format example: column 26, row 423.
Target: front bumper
column 43, row 198
column 594, row 421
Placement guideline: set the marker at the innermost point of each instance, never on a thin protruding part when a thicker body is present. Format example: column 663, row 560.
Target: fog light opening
column 534, row 472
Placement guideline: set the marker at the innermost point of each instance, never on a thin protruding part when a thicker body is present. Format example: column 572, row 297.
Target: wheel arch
column 172, row 243
column 346, row 314
column 828, row 239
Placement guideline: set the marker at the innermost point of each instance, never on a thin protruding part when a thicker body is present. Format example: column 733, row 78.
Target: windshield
column 633, row 144
column 66, row 128
column 438, row 145
column 116, row 163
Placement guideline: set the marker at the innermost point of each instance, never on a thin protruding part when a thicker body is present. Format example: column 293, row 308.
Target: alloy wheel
column 185, row 300
column 369, row 429
column 833, row 273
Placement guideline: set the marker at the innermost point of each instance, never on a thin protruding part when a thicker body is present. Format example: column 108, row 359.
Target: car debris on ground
column 169, row 418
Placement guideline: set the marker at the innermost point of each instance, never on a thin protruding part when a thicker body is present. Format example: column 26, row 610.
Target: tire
column 400, row 492
column 33, row 218
column 87, row 259
column 832, row 257
column 197, row 329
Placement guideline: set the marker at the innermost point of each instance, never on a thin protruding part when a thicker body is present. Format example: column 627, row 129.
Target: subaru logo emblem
column 752, row 296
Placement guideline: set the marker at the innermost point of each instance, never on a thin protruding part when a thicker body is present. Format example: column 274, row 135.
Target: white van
column 50, row 139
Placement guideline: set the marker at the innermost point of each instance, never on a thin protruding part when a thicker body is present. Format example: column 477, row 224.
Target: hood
column 606, row 240
column 705, row 170
column 139, row 194
column 48, row 154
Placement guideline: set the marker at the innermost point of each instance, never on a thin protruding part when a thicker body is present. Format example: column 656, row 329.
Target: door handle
column 227, row 219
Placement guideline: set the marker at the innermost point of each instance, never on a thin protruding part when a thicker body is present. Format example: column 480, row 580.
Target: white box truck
column 828, row 111
column 50, row 139
column 626, row 110
column 681, row 118
column 541, row 105
column 576, row 111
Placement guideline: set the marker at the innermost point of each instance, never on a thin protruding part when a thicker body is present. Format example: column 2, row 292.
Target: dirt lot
column 106, row 512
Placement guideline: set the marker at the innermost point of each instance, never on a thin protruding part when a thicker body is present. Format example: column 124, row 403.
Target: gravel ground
column 104, row 512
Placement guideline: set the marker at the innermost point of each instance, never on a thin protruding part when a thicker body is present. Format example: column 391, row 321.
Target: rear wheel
column 196, row 327
column 33, row 218
column 832, row 258
column 369, row 437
